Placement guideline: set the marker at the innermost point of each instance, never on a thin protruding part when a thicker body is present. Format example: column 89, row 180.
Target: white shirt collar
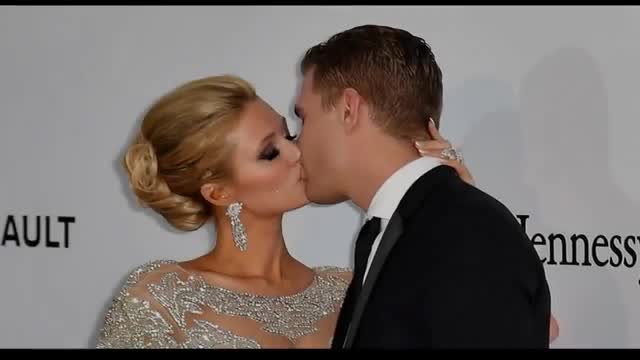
column 388, row 196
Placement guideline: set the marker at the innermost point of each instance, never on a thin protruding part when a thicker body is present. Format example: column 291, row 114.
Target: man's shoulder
column 473, row 200
column 461, row 210
column 454, row 198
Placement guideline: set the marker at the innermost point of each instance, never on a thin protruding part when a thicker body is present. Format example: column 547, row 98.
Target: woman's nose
column 295, row 153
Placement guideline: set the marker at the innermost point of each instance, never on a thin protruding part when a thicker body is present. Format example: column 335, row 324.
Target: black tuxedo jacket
column 454, row 269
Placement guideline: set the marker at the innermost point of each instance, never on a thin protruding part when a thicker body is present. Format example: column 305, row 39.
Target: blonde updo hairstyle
column 182, row 145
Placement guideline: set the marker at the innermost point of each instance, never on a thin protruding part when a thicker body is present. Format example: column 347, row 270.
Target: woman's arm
column 554, row 329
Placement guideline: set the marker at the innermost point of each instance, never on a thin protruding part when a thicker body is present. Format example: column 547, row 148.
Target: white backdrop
column 543, row 100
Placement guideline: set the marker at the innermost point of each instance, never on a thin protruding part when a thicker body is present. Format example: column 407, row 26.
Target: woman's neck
column 266, row 256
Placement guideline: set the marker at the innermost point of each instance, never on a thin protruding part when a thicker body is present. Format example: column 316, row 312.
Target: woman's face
column 265, row 162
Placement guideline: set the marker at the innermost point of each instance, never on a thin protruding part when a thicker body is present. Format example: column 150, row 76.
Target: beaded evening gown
column 163, row 305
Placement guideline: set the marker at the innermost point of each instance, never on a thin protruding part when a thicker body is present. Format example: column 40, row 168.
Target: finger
column 432, row 153
column 444, row 159
column 433, row 145
column 433, row 131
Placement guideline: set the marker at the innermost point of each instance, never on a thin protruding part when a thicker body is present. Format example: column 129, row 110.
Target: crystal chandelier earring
column 237, row 228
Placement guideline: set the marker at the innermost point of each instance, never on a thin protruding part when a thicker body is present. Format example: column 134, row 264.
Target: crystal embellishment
column 237, row 229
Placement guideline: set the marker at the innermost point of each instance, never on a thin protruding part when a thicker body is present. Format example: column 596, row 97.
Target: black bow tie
column 365, row 240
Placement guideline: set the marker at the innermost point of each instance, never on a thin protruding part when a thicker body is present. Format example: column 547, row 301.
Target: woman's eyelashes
column 271, row 152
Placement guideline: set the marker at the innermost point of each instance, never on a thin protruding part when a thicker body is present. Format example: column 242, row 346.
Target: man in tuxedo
column 438, row 263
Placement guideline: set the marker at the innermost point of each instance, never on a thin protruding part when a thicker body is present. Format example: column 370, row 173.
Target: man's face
column 321, row 142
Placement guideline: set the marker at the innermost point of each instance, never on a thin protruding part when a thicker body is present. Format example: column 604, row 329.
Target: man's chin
column 321, row 198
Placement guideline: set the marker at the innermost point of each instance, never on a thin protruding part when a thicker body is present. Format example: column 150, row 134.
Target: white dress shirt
column 388, row 196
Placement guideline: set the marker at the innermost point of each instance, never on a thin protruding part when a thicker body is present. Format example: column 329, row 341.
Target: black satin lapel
column 410, row 203
column 391, row 235
column 344, row 318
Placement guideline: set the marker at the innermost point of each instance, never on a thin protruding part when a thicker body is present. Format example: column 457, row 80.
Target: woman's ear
column 217, row 194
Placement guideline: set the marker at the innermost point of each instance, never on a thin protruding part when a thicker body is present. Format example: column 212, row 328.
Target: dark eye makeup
column 270, row 152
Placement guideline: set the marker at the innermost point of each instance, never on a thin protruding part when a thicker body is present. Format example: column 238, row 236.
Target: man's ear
column 352, row 102
column 217, row 194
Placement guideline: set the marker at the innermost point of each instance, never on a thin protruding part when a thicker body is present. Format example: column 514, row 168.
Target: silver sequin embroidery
column 205, row 335
column 133, row 323
column 290, row 316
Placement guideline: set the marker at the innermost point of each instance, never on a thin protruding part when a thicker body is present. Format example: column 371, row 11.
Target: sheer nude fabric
column 163, row 305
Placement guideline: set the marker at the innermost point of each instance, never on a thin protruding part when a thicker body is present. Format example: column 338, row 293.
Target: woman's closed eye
column 271, row 152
